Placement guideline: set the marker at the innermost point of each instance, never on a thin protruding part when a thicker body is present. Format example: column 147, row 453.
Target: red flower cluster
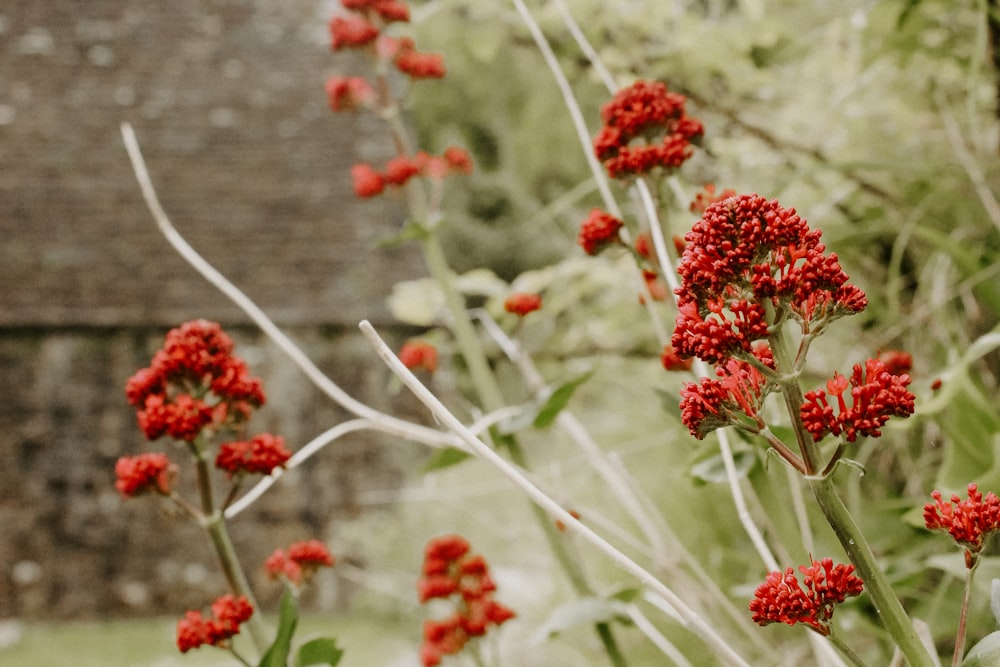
column 781, row 599
column 969, row 522
column 145, row 472
column 172, row 395
column 259, row 455
column 732, row 399
column 672, row 361
column 299, row 562
column 369, row 183
column 364, row 29
column 646, row 111
column 598, row 231
column 228, row 613
column 707, row 196
column 876, row 395
column 742, row 253
column 451, row 572
column 522, row 303
column 417, row 354
column 347, row 93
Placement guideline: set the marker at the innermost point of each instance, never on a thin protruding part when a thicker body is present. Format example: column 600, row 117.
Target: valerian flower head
column 522, row 303
column 599, row 230
column 969, row 522
column 876, row 394
column 229, row 612
column 645, row 128
column 744, row 257
column 782, row 599
column 452, row 572
column 194, row 382
column 732, row 399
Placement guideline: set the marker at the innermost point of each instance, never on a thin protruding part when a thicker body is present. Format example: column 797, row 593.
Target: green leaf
column 277, row 655
column 558, row 400
column 582, row 611
column 986, row 653
column 713, row 469
column 412, row 231
column 445, row 458
column 319, row 651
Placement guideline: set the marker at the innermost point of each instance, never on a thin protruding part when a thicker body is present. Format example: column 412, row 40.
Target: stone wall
column 227, row 100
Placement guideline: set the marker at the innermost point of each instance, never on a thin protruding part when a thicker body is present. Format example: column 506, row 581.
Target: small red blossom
column 648, row 112
column 145, row 472
column 896, row 362
column 349, row 32
column 876, row 394
column 347, row 93
column 416, row 64
column 708, row 196
column 228, row 614
column 656, row 288
column 299, row 562
column 969, row 522
column 260, row 455
column 417, row 354
column 599, row 230
column 451, row 572
column 782, row 599
column 400, row 169
column 522, row 303
column 387, row 10
column 458, row 159
column 672, row 361
column 733, row 399
column 367, row 182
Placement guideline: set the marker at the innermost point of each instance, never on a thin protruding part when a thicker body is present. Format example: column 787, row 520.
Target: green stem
column 963, row 620
column 846, row 650
column 215, row 525
column 890, row 609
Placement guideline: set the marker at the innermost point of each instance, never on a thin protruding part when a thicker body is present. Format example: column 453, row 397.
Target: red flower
column 418, row 65
column 416, row 354
column 347, row 93
column 387, row 10
column 969, row 522
column 351, row 32
column 228, row 613
column 782, row 599
column 599, row 230
column 732, row 399
column 458, row 159
column 400, row 169
column 744, row 252
column 145, row 472
column 299, row 562
column 450, row 571
column 196, row 358
column 260, row 455
column 896, row 362
column 522, row 303
column 707, row 196
column 672, row 361
column 647, row 111
column 367, row 182
column 876, row 394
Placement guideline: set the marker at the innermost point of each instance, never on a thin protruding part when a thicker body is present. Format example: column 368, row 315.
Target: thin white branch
column 386, row 423
column 689, row 618
column 647, row 628
column 968, row 162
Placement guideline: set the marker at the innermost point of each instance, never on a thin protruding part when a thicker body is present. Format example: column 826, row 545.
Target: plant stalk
column 963, row 620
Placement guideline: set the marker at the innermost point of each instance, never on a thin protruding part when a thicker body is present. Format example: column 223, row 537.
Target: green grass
column 150, row 643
